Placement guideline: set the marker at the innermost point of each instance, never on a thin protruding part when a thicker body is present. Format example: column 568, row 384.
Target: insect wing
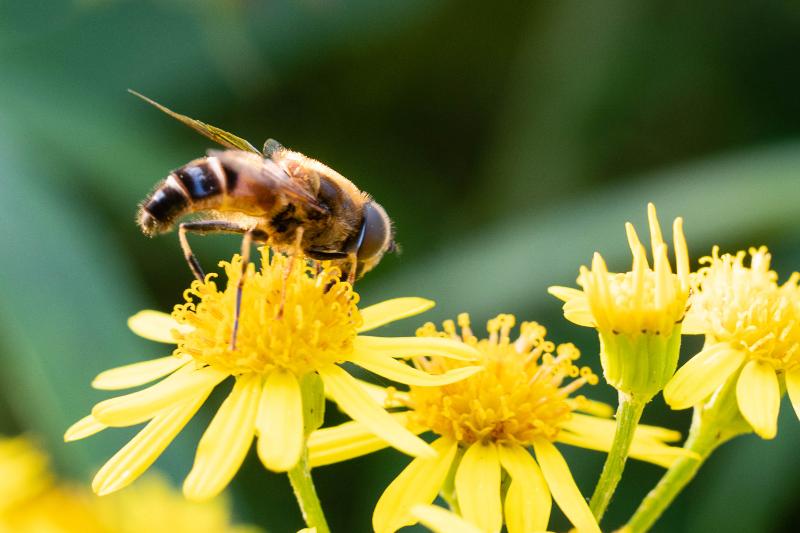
column 226, row 139
column 269, row 173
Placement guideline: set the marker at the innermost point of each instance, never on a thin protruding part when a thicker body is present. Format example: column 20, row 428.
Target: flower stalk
column 306, row 495
column 713, row 424
column 628, row 414
column 313, row 393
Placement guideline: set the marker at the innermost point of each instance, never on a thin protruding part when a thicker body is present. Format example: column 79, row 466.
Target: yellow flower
column 318, row 329
column 486, row 425
column 752, row 330
column 34, row 501
column 25, row 472
column 638, row 313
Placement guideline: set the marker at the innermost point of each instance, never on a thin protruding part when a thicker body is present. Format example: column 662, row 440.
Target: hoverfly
column 275, row 196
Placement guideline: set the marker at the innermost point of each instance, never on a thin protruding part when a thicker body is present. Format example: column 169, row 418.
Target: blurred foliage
column 508, row 142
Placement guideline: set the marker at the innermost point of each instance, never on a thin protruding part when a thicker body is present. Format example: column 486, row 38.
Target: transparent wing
column 226, row 139
column 268, row 173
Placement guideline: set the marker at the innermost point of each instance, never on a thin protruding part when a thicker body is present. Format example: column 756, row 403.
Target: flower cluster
column 486, row 427
column 480, row 414
column 34, row 501
column 752, row 330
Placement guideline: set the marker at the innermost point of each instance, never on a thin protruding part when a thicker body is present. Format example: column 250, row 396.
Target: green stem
column 628, row 414
column 711, row 427
column 306, row 495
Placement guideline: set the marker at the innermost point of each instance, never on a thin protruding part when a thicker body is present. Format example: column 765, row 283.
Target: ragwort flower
column 486, row 425
column 637, row 314
column 295, row 322
column 33, row 500
column 752, row 334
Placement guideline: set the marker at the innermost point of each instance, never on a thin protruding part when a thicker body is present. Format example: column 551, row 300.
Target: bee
column 275, row 196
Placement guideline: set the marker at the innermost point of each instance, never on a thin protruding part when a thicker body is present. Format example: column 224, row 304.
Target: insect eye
column 376, row 232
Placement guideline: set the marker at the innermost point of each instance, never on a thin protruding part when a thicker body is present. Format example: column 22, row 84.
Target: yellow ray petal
column 85, row 427
column 681, row 253
column 441, row 520
column 592, row 407
column 346, row 441
column 566, row 294
column 388, row 367
column 280, row 422
column 142, row 405
column 136, row 374
column 759, row 397
column 578, row 312
column 656, row 238
column 406, row 347
column 388, row 311
column 701, row 375
column 793, row 388
column 605, row 428
column 417, row 484
column 563, row 488
column 155, row 326
column 643, row 449
column 693, row 324
column 478, row 487
column 143, row 449
column 354, row 401
column 528, row 500
column 225, row 442
column 383, row 396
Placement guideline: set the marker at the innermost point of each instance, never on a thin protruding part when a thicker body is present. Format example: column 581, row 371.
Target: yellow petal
column 642, row 448
column 441, row 520
column 702, row 375
column 382, row 313
column 417, row 484
column 346, row 441
column 225, row 442
column 145, row 404
column 528, row 500
column 155, row 326
column 83, row 428
column 406, row 347
column 605, row 428
column 280, row 422
column 578, row 312
column 354, row 401
column 593, row 407
column 383, row 396
column 136, row 374
column 566, row 294
column 143, row 449
column 478, row 487
column 388, row 367
column 793, row 388
column 759, row 397
column 693, row 324
column 563, row 488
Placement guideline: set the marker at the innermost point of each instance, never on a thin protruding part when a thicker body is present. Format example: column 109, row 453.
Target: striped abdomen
column 197, row 186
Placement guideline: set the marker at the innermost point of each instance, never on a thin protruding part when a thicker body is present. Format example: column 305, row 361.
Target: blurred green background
column 508, row 141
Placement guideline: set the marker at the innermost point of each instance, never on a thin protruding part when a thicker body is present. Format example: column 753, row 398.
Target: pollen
column 292, row 317
column 520, row 395
column 745, row 307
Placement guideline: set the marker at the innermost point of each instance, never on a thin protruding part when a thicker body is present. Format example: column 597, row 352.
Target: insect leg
column 351, row 276
column 247, row 240
column 202, row 228
column 298, row 239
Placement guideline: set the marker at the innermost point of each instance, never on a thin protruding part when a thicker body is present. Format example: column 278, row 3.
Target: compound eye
column 376, row 232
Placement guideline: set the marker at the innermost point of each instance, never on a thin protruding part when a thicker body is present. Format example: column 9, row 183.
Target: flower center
column 745, row 307
column 518, row 397
column 291, row 317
